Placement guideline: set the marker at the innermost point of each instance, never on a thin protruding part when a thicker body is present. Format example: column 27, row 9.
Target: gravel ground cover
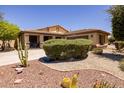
column 40, row 76
column 108, row 62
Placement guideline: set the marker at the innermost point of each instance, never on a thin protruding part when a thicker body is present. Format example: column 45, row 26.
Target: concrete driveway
column 12, row 57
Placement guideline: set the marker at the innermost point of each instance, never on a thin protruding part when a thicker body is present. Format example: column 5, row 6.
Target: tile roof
column 41, row 30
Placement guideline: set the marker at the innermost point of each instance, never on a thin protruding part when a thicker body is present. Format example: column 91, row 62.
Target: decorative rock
column 1, row 73
column 41, row 73
column 18, row 81
column 18, row 65
column 19, row 69
column 103, row 75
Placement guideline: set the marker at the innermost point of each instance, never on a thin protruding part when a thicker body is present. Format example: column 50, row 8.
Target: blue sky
column 70, row 17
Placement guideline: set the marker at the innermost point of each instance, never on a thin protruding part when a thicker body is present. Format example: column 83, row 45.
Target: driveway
column 12, row 57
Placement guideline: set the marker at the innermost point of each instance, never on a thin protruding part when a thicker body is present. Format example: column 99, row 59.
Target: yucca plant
column 22, row 53
column 102, row 84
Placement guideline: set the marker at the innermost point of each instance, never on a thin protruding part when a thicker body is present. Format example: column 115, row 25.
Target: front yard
column 108, row 62
column 39, row 75
column 50, row 74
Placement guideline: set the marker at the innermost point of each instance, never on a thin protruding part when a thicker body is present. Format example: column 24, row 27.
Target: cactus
column 74, row 81
column 66, row 83
column 23, row 54
column 70, row 82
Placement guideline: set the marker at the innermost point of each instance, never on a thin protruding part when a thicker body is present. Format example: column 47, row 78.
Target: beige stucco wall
column 62, row 30
column 54, row 29
column 106, row 37
column 92, row 36
column 25, row 38
column 95, row 38
column 41, row 40
column 12, row 42
column 57, row 30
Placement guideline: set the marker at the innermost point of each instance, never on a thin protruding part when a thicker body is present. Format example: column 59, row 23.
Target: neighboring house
column 35, row 38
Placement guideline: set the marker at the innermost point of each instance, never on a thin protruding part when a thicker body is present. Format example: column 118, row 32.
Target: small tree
column 8, row 32
column 117, row 15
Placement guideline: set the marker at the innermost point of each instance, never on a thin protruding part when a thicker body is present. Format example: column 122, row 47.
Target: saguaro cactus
column 22, row 53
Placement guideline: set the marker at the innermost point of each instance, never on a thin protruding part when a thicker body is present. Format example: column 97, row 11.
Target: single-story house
column 35, row 38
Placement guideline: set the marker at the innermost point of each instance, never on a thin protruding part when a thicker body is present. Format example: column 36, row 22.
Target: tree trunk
column 9, row 46
column 3, row 45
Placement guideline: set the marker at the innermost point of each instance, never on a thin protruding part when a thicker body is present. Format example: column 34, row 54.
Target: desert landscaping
column 50, row 74
column 56, row 57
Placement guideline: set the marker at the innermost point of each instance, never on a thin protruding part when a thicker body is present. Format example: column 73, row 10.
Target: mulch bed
column 41, row 76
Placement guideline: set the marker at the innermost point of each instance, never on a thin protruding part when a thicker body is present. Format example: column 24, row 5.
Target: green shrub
column 98, row 51
column 119, row 45
column 111, row 40
column 92, row 47
column 121, row 65
column 61, row 49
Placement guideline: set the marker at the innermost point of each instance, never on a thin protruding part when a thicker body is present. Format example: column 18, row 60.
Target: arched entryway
column 34, row 41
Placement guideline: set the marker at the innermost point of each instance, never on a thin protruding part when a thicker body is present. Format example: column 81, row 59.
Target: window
column 85, row 37
column 91, row 35
column 47, row 38
column 80, row 37
column 58, row 37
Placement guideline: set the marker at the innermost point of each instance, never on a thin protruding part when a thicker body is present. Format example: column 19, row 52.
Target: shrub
column 98, row 51
column 111, row 40
column 119, row 45
column 92, row 47
column 102, row 84
column 121, row 65
column 61, row 49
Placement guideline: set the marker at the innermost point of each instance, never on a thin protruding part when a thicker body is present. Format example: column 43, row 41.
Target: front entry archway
column 101, row 39
column 34, row 41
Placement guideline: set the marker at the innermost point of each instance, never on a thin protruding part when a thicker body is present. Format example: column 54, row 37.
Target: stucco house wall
column 60, row 32
column 93, row 35
column 12, row 42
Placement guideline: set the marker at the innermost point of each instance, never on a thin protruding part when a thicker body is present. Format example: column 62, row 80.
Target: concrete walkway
column 12, row 57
